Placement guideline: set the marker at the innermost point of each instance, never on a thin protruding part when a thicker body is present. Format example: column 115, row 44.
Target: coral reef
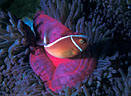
column 107, row 28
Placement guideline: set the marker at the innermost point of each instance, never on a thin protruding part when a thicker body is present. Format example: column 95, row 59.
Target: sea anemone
column 107, row 28
column 14, row 54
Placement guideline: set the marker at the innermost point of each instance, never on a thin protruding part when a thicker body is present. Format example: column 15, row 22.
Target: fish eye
column 82, row 41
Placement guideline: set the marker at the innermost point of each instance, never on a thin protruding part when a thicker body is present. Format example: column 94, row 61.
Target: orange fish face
column 81, row 42
column 67, row 47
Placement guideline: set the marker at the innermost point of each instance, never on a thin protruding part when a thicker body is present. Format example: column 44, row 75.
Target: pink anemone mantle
column 58, row 73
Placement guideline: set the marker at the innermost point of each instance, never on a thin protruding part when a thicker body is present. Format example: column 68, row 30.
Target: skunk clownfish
column 57, row 39
column 67, row 46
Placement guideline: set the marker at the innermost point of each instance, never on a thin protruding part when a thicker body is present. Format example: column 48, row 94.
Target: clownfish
column 55, row 43
column 66, row 47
